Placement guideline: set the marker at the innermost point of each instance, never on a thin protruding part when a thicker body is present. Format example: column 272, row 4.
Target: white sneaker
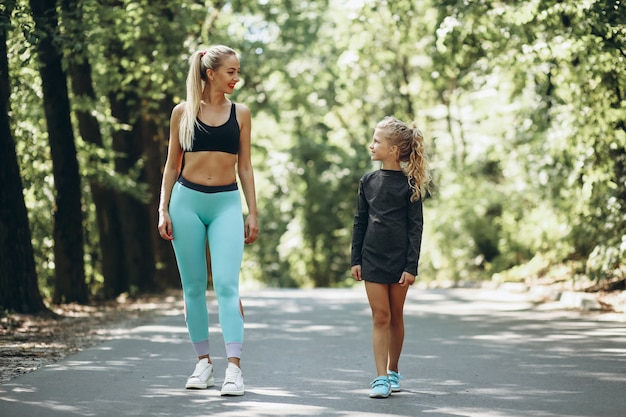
column 233, row 381
column 202, row 376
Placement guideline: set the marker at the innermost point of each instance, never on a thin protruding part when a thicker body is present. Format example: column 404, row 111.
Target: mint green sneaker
column 394, row 379
column 381, row 387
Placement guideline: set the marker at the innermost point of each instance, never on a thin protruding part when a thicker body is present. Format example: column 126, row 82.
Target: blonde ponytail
column 195, row 84
column 417, row 167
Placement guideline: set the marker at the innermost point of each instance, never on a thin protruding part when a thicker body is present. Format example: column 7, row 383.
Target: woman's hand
column 165, row 225
column 251, row 229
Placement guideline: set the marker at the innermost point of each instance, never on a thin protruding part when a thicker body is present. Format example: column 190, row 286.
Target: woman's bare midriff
column 210, row 168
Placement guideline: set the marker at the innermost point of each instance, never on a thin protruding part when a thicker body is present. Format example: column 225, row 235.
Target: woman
column 209, row 146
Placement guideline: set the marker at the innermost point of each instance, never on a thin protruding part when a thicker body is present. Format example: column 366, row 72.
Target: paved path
column 467, row 353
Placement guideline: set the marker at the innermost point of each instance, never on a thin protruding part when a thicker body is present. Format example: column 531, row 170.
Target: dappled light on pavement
column 469, row 353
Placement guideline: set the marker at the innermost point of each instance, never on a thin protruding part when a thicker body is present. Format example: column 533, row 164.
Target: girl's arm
column 246, row 173
column 359, row 226
column 415, row 223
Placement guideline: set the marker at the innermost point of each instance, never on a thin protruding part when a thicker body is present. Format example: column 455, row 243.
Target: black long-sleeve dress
column 387, row 232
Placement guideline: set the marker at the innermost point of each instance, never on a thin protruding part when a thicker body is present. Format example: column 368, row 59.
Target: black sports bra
column 224, row 138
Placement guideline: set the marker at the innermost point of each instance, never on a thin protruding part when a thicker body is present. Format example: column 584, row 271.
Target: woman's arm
column 246, row 173
column 171, row 172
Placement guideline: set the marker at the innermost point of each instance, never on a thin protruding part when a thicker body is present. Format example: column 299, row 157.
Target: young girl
column 209, row 147
column 386, row 240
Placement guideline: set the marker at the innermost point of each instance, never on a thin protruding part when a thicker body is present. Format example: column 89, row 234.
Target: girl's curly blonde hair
column 411, row 151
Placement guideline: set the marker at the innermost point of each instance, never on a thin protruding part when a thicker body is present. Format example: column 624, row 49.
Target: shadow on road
column 308, row 353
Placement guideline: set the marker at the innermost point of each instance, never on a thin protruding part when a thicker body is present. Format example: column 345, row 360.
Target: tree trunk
column 155, row 137
column 19, row 291
column 107, row 214
column 70, row 285
column 134, row 214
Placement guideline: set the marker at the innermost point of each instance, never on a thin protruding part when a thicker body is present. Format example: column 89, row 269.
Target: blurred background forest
column 521, row 102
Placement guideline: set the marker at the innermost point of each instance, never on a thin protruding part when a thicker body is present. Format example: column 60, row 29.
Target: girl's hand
column 406, row 279
column 356, row 272
column 165, row 225
column 251, row 229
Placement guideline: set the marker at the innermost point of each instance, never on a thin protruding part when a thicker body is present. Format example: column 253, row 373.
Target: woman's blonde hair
column 411, row 152
column 199, row 63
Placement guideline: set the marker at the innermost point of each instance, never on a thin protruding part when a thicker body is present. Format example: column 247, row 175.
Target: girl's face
column 381, row 149
column 226, row 76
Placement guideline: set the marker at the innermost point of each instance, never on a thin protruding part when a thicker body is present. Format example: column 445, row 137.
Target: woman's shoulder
column 177, row 113
column 241, row 109
column 242, row 114
column 179, row 108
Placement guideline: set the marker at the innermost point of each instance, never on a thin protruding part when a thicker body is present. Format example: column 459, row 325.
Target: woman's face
column 226, row 76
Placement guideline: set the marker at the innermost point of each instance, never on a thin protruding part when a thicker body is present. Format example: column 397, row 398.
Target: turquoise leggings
column 200, row 212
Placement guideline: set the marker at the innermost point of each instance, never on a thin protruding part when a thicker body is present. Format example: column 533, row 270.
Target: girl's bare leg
column 378, row 296
column 397, row 296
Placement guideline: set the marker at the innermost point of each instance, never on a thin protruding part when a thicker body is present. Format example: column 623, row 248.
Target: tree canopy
column 521, row 103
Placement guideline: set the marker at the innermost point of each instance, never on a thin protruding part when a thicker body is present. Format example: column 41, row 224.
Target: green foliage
column 521, row 103
column 585, row 92
column 565, row 64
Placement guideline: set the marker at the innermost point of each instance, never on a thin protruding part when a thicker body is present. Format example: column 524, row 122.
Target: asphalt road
column 307, row 353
